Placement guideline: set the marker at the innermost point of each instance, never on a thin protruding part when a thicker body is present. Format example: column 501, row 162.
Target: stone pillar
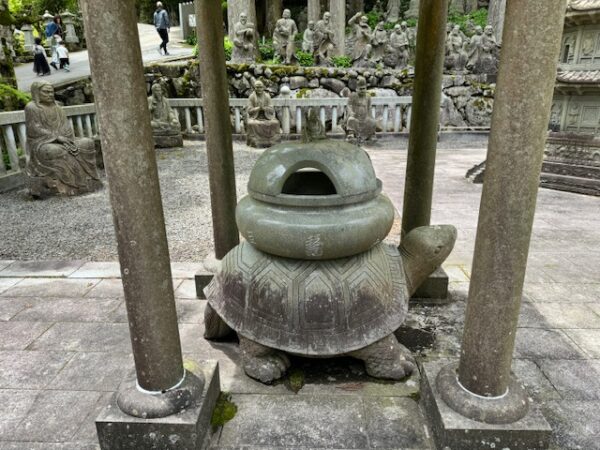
column 483, row 388
column 163, row 386
column 337, row 8
column 427, row 95
column 314, row 10
column 219, row 146
column 516, row 149
column 413, row 10
column 496, row 14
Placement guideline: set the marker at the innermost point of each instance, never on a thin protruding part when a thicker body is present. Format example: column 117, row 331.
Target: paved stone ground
column 80, row 66
column 64, row 344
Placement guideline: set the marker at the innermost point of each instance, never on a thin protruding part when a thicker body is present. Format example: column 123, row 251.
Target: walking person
column 161, row 22
column 54, row 33
column 63, row 56
column 40, row 63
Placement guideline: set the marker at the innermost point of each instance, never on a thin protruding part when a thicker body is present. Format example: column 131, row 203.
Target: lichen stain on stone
column 224, row 411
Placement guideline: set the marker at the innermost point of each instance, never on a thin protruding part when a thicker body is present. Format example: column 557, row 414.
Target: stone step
column 324, row 421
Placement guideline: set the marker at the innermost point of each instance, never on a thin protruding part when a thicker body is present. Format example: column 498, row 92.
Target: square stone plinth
column 455, row 432
column 187, row 430
column 434, row 290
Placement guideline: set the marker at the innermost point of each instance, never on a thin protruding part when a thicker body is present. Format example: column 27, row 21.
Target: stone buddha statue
column 262, row 127
column 58, row 163
column 360, row 126
column 166, row 128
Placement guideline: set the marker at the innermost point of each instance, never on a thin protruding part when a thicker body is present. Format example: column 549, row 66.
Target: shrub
column 266, row 50
column 228, row 47
column 12, row 99
column 374, row 18
column 478, row 17
column 341, row 61
column 305, row 59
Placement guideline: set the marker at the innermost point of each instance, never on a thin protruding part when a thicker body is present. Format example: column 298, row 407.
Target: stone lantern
column 314, row 277
column 68, row 19
column 47, row 18
column 28, row 36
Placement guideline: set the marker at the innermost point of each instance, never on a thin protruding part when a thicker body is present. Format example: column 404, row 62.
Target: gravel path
column 81, row 227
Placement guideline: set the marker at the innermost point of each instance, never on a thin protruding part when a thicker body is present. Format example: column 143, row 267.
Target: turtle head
column 423, row 250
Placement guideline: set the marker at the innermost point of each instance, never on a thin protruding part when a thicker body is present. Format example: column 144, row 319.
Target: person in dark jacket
column 161, row 22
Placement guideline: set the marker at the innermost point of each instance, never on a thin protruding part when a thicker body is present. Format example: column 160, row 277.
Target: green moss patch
column 225, row 410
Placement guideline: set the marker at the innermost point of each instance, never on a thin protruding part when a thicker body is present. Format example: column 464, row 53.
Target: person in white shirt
column 63, row 56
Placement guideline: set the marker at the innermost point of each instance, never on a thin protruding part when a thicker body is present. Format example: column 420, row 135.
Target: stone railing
column 392, row 114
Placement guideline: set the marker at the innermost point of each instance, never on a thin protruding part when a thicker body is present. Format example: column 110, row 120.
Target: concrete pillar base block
column 188, row 428
column 458, row 432
column 434, row 289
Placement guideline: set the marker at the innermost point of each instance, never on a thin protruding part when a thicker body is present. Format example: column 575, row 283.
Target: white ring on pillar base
column 138, row 402
column 144, row 391
column 508, row 408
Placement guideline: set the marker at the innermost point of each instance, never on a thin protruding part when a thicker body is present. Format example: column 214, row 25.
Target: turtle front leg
column 262, row 363
column 387, row 359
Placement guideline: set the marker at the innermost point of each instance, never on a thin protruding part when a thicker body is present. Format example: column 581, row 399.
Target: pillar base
column 453, row 430
column 189, row 427
column 434, row 289
column 145, row 405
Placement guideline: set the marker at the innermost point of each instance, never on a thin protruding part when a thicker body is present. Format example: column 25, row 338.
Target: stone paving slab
column 574, row 380
column 94, row 371
column 533, row 343
column 85, row 337
column 93, row 269
column 10, row 307
column 587, row 340
column 7, row 283
column 68, row 310
column 41, row 269
column 56, row 416
column 19, row 335
column 4, row 263
column 50, row 287
column 30, row 369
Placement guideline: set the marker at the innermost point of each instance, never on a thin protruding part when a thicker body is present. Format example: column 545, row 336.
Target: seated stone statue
column 243, row 41
column 262, row 127
column 360, row 126
column 166, row 128
column 58, row 163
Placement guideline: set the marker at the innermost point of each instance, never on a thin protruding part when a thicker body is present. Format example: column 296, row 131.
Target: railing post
column 11, row 147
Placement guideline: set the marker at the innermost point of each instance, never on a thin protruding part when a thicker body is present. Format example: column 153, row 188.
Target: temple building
column 576, row 105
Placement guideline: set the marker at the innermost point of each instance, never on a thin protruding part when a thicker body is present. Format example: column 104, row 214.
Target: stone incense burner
column 314, row 277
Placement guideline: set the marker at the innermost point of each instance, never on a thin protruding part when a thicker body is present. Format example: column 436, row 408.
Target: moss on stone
column 224, row 411
column 12, row 99
column 303, row 93
column 295, row 380
column 283, row 71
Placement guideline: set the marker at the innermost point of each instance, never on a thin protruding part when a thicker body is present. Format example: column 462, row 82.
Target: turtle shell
column 312, row 308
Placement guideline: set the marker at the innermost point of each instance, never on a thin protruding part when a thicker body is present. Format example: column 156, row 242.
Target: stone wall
column 467, row 99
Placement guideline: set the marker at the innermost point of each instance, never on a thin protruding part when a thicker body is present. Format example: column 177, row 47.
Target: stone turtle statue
column 347, row 306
